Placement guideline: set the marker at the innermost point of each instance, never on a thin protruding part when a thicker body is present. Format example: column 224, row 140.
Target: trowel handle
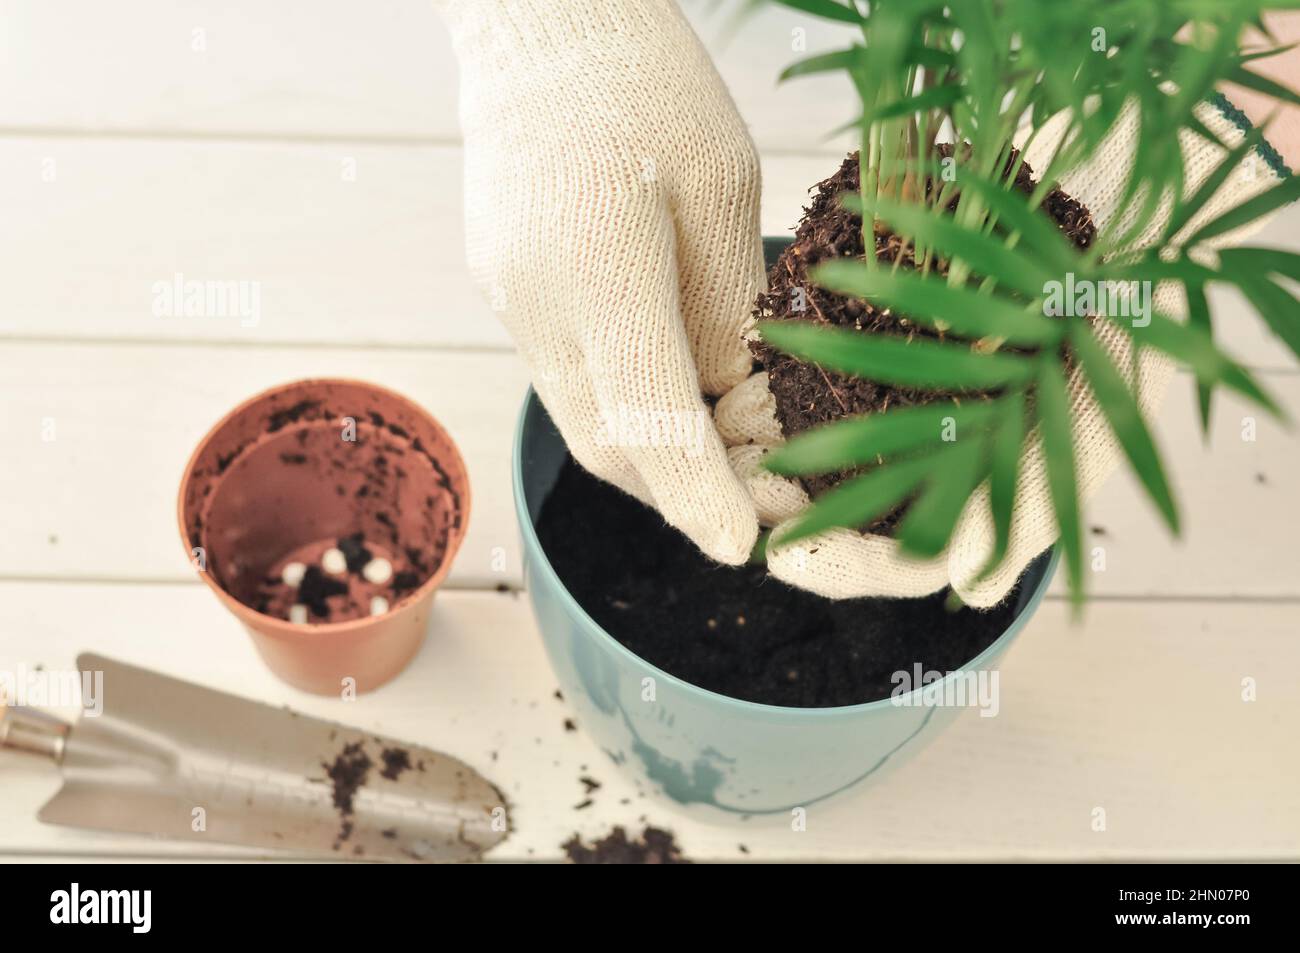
column 32, row 730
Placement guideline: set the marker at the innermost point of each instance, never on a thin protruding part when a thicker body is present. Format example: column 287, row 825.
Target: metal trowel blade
column 177, row 760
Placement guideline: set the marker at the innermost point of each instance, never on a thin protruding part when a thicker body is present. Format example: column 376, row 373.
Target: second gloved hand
column 844, row 563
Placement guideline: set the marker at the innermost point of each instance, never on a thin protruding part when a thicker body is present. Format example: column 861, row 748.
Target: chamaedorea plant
column 990, row 266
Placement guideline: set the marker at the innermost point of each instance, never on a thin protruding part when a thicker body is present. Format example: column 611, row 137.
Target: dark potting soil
column 655, row 846
column 335, row 598
column 354, row 551
column 736, row 630
column 316, row 588
column 807, row 395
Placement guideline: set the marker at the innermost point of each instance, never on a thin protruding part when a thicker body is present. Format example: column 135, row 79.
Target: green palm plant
column 980, row 68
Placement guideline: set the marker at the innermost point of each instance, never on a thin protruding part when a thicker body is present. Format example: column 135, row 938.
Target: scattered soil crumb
column 347, row 774
column 396, row 760
column 591, row 784
column 655, row 846
column 570, row 725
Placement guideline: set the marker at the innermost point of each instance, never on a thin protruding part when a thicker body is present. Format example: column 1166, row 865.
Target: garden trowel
column 169, row 758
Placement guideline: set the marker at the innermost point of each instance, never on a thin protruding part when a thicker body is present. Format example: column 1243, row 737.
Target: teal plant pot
column 696, row 745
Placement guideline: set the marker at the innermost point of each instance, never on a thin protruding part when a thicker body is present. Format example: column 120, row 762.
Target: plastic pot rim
column 283, row 628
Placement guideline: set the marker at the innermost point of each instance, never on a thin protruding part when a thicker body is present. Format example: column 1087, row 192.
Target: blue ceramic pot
column 697, row 745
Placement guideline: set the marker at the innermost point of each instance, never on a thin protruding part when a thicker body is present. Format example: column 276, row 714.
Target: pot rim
column 283, row 627
column 913, row 698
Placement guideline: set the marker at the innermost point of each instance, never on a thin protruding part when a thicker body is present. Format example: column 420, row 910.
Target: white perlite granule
column 379, row 570
column 292, row 574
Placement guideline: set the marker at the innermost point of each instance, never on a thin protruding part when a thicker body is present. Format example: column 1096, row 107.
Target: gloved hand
column 844, row 563
column 611, row 215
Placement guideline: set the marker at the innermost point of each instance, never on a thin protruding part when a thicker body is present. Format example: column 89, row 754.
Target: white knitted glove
column 611, row 215
column 844, row 563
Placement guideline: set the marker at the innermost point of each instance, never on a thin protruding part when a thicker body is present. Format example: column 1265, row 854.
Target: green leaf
column 1262, row 84
column 934, row 302
column 936, row 97
column 1152, row 268
column 1194, row 73
column 1184, row 212
column 1265, row 54
column 1277, row 306
column 890, row 359
column 1038, row 236
column 1261, row 260
column 858, row 501
column 1058, row 452
column 930, row 520
column 1121, row 409
column 821, row 63
column 987, row 256
column 1198, row 316
column 1004, row 471
column 1194, row 348
column 929, row 57
column 858, row 440
column 1205, row 132
column 1288, row 190
column 827, row 9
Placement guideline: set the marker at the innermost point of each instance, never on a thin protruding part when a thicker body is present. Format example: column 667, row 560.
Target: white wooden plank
column 333, row 69
column 188, row 66
column 374, row 259
column 377, row 259
column 1233, row 492
column 750, row 52
column 1137, row 711
column 330, row 69
column 96, row 501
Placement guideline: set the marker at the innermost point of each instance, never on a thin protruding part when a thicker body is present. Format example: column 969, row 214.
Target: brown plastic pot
column 296, row 468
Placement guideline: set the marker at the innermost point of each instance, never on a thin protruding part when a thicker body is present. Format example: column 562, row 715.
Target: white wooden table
column 312, row 147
